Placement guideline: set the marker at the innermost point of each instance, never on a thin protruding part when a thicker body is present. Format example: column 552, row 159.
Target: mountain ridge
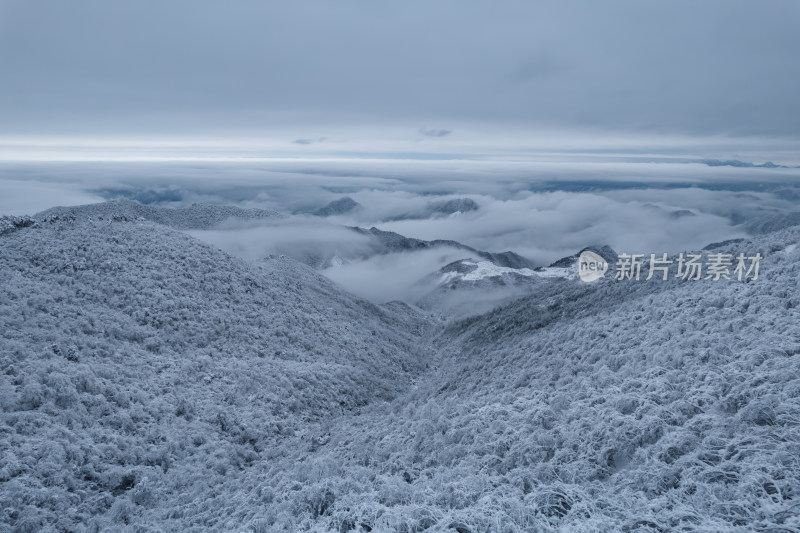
column 195, row 216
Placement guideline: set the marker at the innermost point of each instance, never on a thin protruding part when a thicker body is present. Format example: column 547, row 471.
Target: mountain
column 143, row 371
column 440, row 208
column 453, row 206
column 737, row 163
column 379, row 242
column 196, row 216
column 470, row 287
column 342, row 206
column 346, row 205
column 722, row 244
column 610, row 406
column 152, row 382
column 771, row 223
column 604, row 251
column 390, row 242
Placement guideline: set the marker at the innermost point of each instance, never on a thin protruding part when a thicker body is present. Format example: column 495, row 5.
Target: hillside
column 153, row 382
column 772, row 223
column 384, row 242
column 615, row 406
column 143, row 368
column 195, row 216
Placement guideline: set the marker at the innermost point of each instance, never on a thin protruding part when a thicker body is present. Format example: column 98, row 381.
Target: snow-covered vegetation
column 152, row 382
column 195, row 216
column 143, row 370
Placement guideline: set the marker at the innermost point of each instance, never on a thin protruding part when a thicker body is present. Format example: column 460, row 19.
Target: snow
column 486, row 269
column 152, row 382
column 134, row 352
column 195, row 216
column 557, row 272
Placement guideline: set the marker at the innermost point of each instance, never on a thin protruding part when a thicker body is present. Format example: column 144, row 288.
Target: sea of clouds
column 540, row 210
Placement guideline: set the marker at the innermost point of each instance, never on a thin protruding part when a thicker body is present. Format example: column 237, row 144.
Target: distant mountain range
column 440, row 208
column 737, row 163
column 346, row 205
column 388, row 242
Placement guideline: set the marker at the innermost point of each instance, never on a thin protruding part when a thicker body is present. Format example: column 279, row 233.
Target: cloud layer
column 543, row 211
column 198, row 66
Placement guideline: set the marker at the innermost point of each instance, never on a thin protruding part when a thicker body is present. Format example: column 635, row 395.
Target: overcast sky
column 311, row 70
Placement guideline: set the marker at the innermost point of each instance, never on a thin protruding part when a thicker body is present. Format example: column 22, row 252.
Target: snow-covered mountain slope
column 195, row 216
column 772, row 223
column 478, row 270
column 474, row 286
column 470, row 287
column 151, row 382
column 380, row 242
column 389, row 242
column 611, row 406
column 571, row 261
column 142, row 370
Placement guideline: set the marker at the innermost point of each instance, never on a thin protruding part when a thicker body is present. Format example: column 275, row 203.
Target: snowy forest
column 438, row 266
column 154, row 382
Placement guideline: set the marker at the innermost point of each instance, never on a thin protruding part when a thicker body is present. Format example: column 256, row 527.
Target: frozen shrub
column 32, row 396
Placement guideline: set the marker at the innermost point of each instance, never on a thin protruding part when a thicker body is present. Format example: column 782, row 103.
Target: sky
column 380, row 76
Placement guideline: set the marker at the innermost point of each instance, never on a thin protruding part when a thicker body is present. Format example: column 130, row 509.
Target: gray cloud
column 541, row 211
column 397, row 276
column 429, row 132
column 714, row 67
column 25, row 197
column 295, row 237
